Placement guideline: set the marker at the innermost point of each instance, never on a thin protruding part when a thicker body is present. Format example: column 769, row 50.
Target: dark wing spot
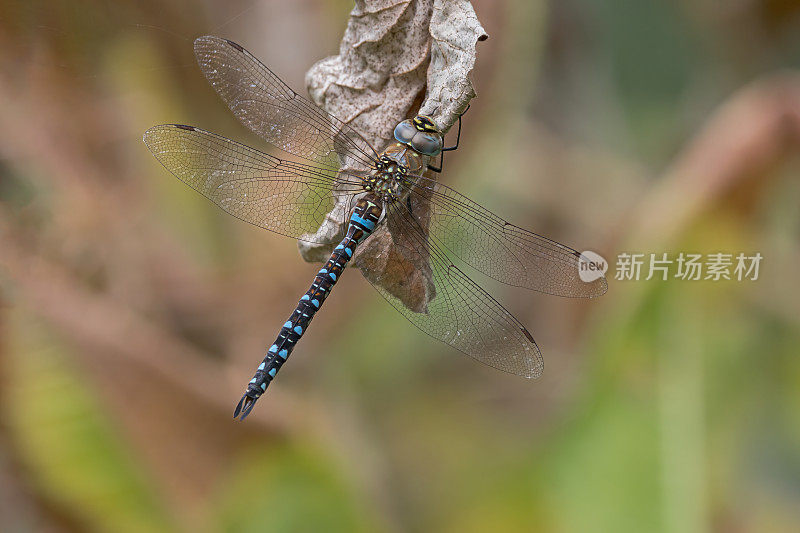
column 528, row 335
column 235, row 45
column 185, row 127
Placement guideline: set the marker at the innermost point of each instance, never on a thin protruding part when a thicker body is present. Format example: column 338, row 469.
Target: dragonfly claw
column 244, row 406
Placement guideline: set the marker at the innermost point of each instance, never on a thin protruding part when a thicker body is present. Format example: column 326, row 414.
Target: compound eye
column 404, row 132
column 427, row 144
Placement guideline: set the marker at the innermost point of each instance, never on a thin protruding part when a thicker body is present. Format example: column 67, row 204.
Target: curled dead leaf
column 391, row 52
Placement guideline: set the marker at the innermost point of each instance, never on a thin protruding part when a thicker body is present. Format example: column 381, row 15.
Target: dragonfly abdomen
column 362, row 222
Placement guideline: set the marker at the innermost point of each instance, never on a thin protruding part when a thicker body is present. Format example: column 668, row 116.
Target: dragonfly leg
column 458, row 135
column 441, row 162
column 450, row 148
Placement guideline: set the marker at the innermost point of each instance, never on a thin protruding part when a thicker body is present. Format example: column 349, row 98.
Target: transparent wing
column 500, row 250
column 282, row 196
column 460, row 313
column 269, row 107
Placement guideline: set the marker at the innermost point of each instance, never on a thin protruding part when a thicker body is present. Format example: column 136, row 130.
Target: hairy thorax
column 394, row 173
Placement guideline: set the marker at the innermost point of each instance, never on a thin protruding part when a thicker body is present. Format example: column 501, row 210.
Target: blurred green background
column 132, row 311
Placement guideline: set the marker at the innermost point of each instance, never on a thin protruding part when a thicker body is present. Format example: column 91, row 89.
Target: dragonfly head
column 421, row 134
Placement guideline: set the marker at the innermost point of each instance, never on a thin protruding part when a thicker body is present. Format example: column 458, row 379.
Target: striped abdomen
column 362, row 222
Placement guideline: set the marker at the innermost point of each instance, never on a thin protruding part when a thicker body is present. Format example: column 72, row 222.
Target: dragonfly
column 432, row 227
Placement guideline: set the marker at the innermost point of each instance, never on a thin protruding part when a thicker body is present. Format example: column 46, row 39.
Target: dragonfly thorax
column 405, row 157
column 389, row 177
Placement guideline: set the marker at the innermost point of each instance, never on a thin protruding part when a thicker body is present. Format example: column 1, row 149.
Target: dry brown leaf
column 455, row 30
column 391, row 51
